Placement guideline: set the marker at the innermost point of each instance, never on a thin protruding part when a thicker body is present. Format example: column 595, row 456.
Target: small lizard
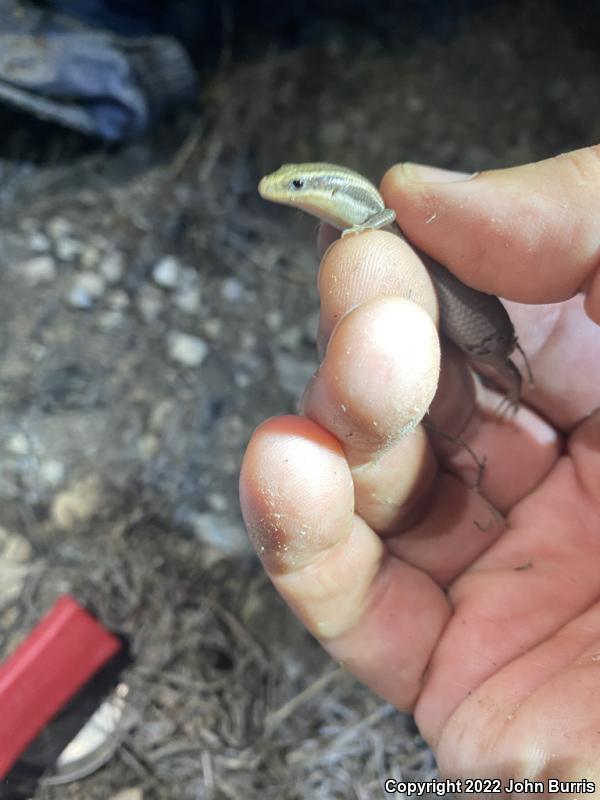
column 476, row 322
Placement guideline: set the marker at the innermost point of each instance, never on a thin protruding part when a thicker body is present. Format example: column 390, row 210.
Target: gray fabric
column 95, row 82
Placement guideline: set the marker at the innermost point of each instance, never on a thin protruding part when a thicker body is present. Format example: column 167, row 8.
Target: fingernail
column 426, row 174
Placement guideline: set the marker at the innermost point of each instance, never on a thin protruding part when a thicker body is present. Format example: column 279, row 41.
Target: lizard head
column 293, row 184
column 317, row 188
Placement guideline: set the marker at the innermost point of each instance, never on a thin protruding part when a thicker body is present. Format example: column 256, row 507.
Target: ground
column 154, row 310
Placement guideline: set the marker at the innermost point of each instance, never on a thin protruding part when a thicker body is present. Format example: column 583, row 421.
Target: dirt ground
column 154, row 310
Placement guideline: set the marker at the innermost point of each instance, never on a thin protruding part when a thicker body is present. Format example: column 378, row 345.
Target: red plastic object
column 58, row 657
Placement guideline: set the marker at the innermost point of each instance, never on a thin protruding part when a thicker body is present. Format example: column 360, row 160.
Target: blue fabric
column 89, row 79
column 77, row 78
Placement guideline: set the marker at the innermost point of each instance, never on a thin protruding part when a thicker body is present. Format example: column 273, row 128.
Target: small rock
column 41, row 269
column 134, row 793
column 274, row 320
column 248, row 341
column 188, row 277
column 100, row 242
column 110, row 320
column 52, row 472
column 13, row 578
column 150, row 303
column 293, row 374
column 187, row 349
column 218, row 531
column 18, row 444
column 232, row 290
column 151, row 734
column 87, row 198
column 242, row 378
column 67, row 249
column 188, row 301
column 87, row 287
column 89, row 257
column 160, row 415
column 79, row 298
column 39, row 242
column 217, row 501
column 148, row 446
column 234, row 424
column 93, row 284
column 113, row 267
column 290, row 338
column 166, row 272
column 59, row 228
column 77, row 503
column 14, row 548
column 212, row 328
column 311, row 326
column 118, row 300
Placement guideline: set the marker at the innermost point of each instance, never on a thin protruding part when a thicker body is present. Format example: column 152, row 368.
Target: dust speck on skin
column 595, row 657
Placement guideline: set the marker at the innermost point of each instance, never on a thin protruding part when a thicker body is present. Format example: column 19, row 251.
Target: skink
column 476, row 322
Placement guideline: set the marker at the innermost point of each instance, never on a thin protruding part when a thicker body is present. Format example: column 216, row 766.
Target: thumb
column 529, row 233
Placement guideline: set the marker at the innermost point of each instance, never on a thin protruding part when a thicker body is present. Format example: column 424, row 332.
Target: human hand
column 476, row 610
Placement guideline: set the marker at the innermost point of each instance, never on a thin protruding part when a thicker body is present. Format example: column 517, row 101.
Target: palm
column 477, row 610
column 525, row 630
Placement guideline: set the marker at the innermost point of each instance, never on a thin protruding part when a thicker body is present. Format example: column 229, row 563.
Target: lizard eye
column 297, row 183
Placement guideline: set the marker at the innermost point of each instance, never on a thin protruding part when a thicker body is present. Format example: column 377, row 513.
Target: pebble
column 274, row 320
column 41, row 269
column 212, row 328
column 160, row 415
column 293, row 374
column 232, row 290
column 187, row 349
column 67, row 249
column 242, row 378
column 217, row 501
column 290, row 338
column 150, row 303
column 110, row 320
column 89, row 257
column 77, row 503
column 166, row 272
column 39, row 242
column 248, row 341
column 188, row 277
column 13, row 580
column 188, row 301
column 14, row 548
column 113, row 267
column 135, row 793
column 148, row 446
column 311, row 326
column 52, row 472
column 15, row 553
column 59, row 228
column 217, row 530
column 151, row 734
column 118, row 300
column 79, row 298
column 18, row 444
column 88, row 287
